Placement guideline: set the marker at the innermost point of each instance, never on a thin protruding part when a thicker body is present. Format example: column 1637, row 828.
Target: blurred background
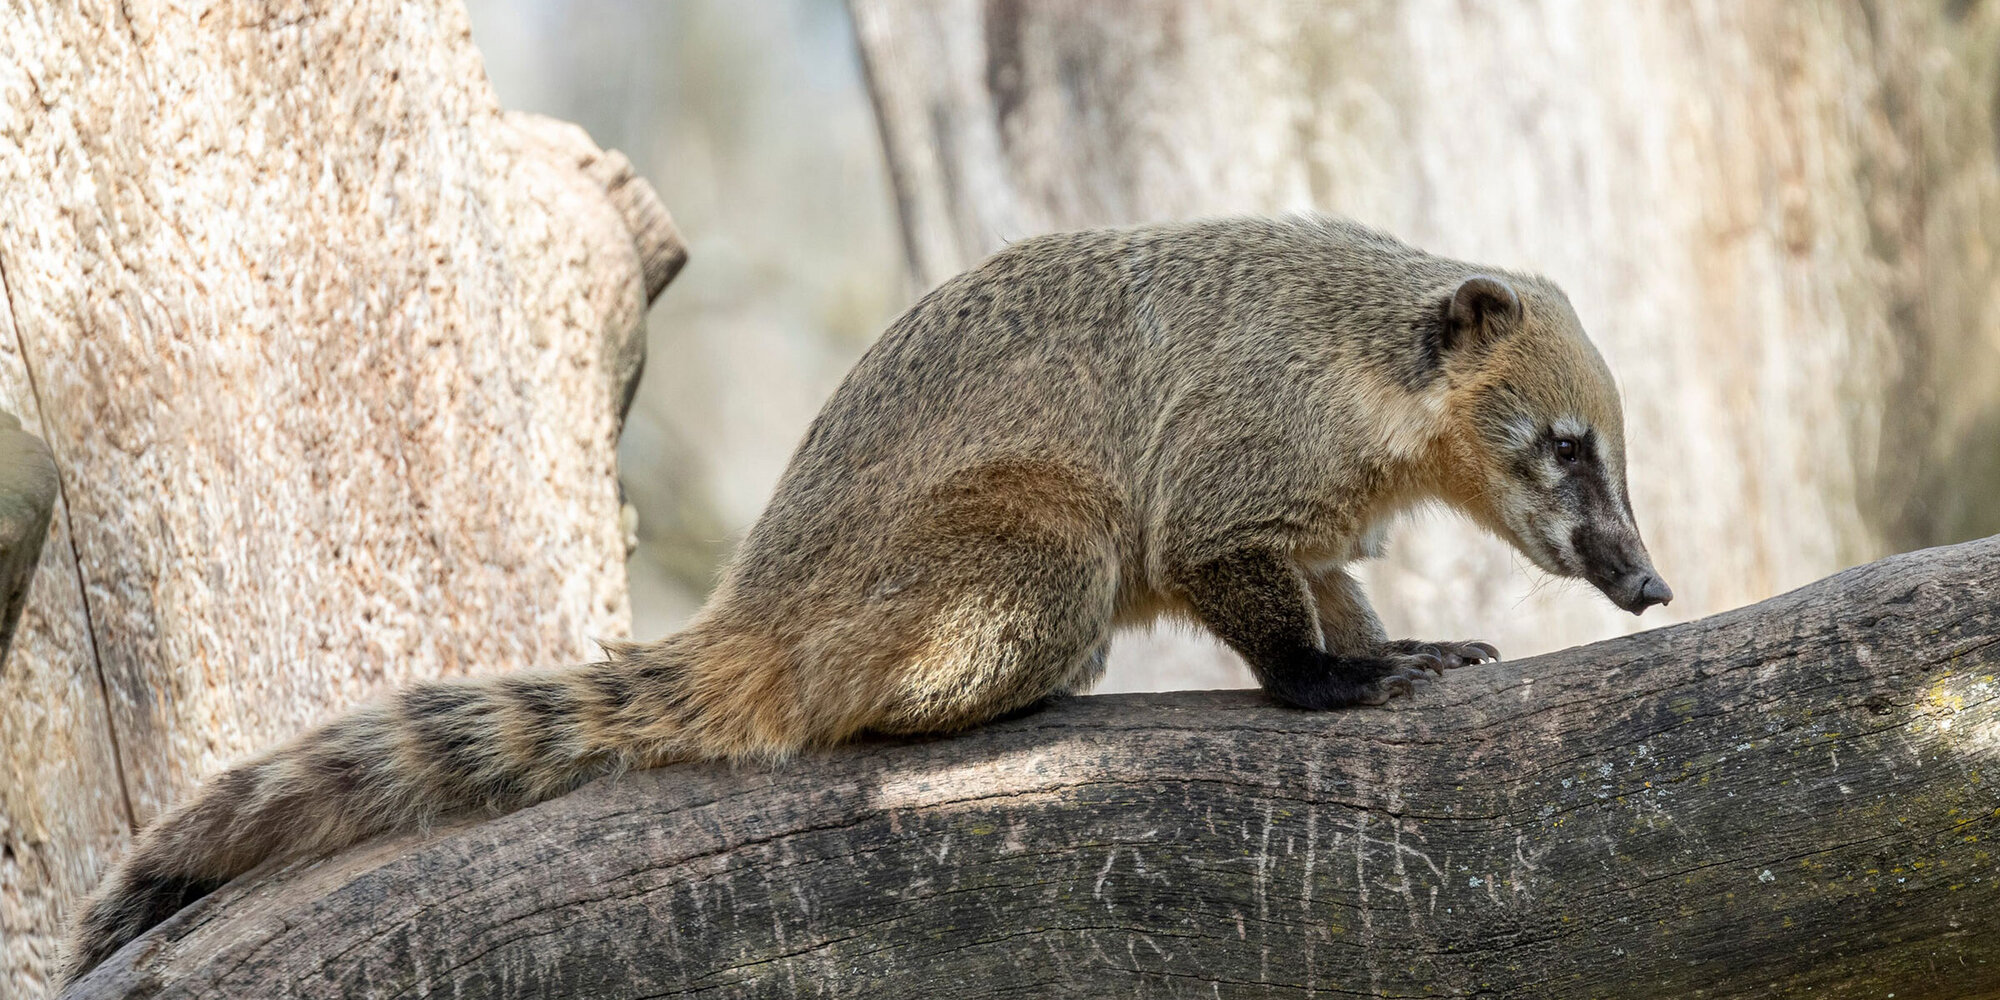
column 752, row 123
column 1781, row 223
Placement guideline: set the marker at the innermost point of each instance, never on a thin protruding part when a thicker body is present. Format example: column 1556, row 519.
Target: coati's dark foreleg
column 1260, row 603
column 1350, row 626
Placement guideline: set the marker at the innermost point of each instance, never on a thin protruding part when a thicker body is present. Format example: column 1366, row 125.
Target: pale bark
column 1794, row 799
column 330, row 353
column 1781, row 223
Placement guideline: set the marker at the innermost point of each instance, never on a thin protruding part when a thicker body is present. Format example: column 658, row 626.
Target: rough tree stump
column 1795, row 798
column 329, row 352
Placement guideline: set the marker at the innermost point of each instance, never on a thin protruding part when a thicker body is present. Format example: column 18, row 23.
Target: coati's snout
column 1615, row 562
column 1566, row 507
column 1551, row 437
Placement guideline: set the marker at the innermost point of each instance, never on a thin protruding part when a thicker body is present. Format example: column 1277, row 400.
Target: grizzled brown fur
column 1087, row 431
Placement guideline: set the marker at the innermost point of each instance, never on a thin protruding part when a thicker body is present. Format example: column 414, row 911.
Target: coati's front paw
column 1444, row 656
column 1403, row 675
column 1320, row 680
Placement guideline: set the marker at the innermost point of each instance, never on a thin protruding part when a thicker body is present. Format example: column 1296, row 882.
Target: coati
column 1088, row 430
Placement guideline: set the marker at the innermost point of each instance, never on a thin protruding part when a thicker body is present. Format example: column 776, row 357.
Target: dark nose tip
column 1654, row 591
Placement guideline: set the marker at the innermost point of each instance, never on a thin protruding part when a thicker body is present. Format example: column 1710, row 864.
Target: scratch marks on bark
column 1310, row 923
column 1263, row 893
column 1370, row 945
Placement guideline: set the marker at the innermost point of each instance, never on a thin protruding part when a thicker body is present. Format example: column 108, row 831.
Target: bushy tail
column 494, row 745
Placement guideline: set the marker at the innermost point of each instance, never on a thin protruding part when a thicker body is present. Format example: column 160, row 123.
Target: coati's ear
column 1482, row 310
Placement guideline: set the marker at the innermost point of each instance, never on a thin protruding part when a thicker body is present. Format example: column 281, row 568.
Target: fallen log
column 1801, row 797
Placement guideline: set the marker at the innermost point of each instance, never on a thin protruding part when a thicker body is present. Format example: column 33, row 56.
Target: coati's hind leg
column 1035, row 623
column 1313, row 643
column 1009, row 583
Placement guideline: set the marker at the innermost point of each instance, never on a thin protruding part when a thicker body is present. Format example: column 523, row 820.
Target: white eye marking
column 1522, row 432
column 1556, row 534
column 1614, row 485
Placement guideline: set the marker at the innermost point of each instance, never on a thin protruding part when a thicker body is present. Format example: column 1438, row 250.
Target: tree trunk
column 1781, row 223
column 1796, row 798
column 329, row 352
column 28, row 490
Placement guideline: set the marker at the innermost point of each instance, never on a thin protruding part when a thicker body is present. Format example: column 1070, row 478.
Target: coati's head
column 1534, row 416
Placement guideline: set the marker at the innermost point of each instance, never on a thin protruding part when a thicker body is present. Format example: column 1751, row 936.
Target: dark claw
column 1402, row 681
column 1381, row 695
column 1419, row 674
column 1451, row 655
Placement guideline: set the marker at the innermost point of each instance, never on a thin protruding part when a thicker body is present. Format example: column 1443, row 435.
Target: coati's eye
column 1566, row 450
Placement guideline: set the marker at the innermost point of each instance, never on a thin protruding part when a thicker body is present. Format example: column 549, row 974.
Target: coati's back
column 1022, row 354
column 1070, row 346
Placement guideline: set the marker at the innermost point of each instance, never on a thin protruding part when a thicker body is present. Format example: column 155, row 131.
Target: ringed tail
column 492, row 745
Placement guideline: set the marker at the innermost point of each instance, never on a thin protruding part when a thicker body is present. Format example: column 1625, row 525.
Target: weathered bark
column 1792, row 799
column 329, row 352
column 1781, row 222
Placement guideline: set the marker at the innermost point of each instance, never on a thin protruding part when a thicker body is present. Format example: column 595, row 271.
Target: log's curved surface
column 1801, row 797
